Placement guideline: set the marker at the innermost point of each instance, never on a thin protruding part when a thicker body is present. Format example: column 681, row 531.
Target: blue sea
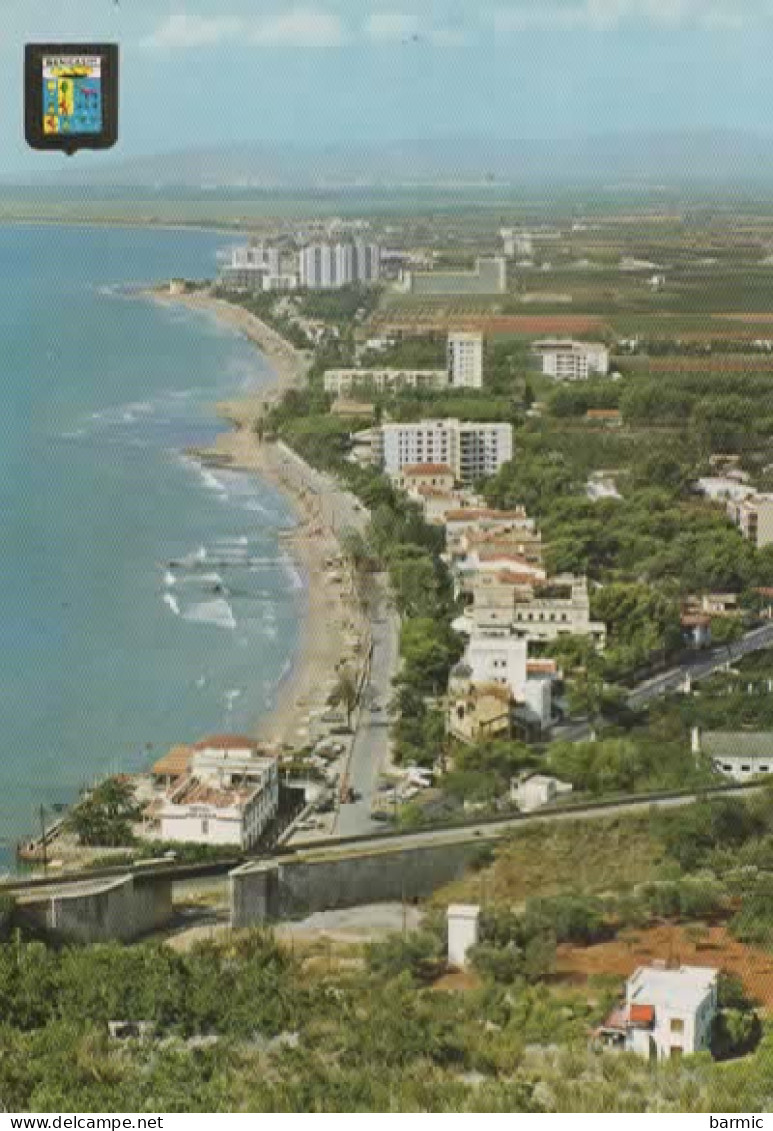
column 108, row 652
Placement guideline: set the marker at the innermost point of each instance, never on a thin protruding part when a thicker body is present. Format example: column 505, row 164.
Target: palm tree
column 345, row 693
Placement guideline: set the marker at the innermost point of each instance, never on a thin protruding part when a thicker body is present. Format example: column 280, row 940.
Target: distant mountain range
column 615, row 160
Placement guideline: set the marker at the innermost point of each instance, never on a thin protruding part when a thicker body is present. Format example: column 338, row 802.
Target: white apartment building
column 325, row 266
column 667, row 1013
column 566, row 360
column 754, row 518
column 465, row 360
column 504, row 661
column 228, row 797
column 472, row 451
column 533, row 610
column 341, row 382
column 248, row 266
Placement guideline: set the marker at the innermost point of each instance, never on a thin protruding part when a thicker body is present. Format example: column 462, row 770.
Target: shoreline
column 333, row 630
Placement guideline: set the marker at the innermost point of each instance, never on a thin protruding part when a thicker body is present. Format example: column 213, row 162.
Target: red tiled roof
column 641, row 1014
column 226, row 742
column 695, row 620
column 174, row 763
column 603, row 414
column 474, row 513
column 549, row 667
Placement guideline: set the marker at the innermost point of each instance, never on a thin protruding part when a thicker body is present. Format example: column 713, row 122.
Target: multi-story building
column 566, row 360
column 249, row 266
column 489, row 277
column 754, row 518
column 229, row 795
column 325, row 266
column 531, row 609
column 473, row 451
column 667, row 1013
column 341, row 382
column 503, row 661
column 478, row 711
column 480, row 528
column 465, row 360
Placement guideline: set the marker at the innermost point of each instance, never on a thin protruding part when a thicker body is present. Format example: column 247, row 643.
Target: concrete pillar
column 463, row 919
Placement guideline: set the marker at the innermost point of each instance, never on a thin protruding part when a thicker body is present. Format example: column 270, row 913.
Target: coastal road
column 340, row 510
column 370, row 748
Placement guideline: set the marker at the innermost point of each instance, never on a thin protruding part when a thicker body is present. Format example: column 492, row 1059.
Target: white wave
column 231, row 696
column 172, row 603
column 217, row 612
column 169, row 578
column 200, row 579
column 191, row 560
column 296, row 579
column 201, row 681
column 235, row 541
column 212, row 482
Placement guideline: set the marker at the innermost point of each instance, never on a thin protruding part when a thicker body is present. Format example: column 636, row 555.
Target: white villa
column 666, row 1013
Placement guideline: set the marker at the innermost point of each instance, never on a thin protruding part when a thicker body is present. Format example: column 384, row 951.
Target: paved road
column 371, row 742
column 672, row 680
column 340, row 511
column 509, row 825
column 701, row 667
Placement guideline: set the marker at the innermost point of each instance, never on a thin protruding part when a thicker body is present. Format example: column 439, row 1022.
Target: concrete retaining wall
column 123, row 909
column 297, row 887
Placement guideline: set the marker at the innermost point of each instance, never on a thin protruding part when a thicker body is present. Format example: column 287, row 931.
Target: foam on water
column 218, row 613
column 172, row 603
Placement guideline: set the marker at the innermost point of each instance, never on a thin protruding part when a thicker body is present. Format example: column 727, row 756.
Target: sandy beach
column 334, row 632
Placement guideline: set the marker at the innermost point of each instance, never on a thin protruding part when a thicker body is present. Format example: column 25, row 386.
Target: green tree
column 345, row 693
column 107, row 815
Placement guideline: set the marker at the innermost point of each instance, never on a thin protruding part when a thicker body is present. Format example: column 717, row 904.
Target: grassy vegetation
column 585, row 856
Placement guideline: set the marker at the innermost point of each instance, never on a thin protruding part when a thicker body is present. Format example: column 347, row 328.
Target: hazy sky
column 209, row 70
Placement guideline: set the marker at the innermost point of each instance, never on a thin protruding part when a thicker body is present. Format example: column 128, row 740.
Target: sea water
column 144, row 600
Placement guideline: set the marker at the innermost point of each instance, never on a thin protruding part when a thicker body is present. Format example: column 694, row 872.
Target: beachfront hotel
column 227, row 793
column 473, row 451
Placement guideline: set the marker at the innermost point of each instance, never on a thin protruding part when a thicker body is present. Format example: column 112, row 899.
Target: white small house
column 537, row 790
column 667, row 1013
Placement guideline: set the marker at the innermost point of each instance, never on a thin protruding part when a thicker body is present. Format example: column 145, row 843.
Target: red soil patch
column 767, row 317
column 717, row 364
column 672, row 944
column 492, row 324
